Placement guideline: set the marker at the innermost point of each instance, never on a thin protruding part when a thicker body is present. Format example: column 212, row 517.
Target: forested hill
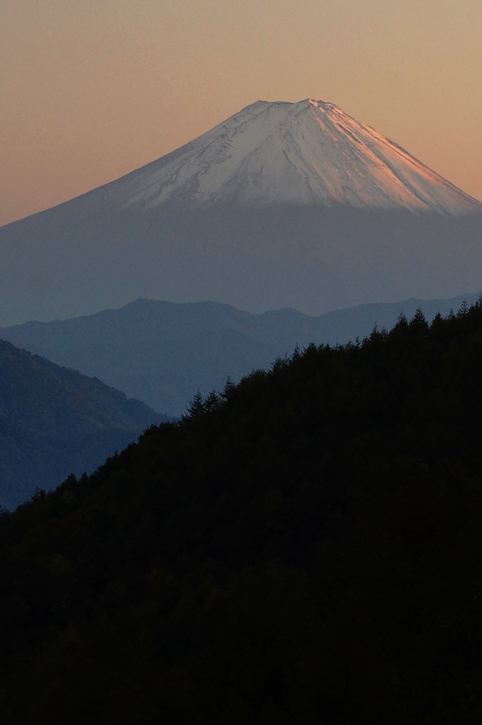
column 305, row 548
column 54, row 420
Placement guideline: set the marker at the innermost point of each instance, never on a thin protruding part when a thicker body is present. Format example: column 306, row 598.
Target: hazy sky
column 91, row 89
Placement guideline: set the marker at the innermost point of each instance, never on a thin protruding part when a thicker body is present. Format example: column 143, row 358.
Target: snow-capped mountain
column 309, row 152
column 282, row 205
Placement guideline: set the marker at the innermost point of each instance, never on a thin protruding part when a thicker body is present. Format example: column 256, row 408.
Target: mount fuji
column 281, row 205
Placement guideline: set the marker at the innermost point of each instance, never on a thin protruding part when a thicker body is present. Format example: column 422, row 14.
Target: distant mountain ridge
column 282, row 205
column 55, row 421
column 162, row 352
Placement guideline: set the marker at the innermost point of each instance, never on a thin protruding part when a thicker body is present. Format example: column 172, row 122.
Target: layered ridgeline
column 305, row 549
column 282, row 205
column 162, row 352
column 55, row 421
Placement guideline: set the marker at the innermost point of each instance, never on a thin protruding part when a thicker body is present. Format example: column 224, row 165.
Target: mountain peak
column 309, row 152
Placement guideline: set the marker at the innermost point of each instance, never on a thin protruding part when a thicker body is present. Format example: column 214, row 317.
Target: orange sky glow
column 94, row 89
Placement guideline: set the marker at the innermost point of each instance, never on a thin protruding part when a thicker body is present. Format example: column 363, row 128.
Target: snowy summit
column 309, row 152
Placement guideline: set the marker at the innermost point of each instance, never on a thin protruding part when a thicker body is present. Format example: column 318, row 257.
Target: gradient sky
column 92, row 89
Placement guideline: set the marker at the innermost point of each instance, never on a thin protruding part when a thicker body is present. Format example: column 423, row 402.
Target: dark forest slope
column 54, row 421
column 307, row 549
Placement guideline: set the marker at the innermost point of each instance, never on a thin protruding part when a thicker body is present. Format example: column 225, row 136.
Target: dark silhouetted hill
column 305, row 548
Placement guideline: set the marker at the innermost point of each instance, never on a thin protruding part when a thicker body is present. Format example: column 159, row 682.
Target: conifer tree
column 195, row 408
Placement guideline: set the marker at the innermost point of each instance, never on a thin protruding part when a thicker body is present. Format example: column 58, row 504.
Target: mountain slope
column 54, row 421
column 282, row 205
column 306, row 550
column 162, row 352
